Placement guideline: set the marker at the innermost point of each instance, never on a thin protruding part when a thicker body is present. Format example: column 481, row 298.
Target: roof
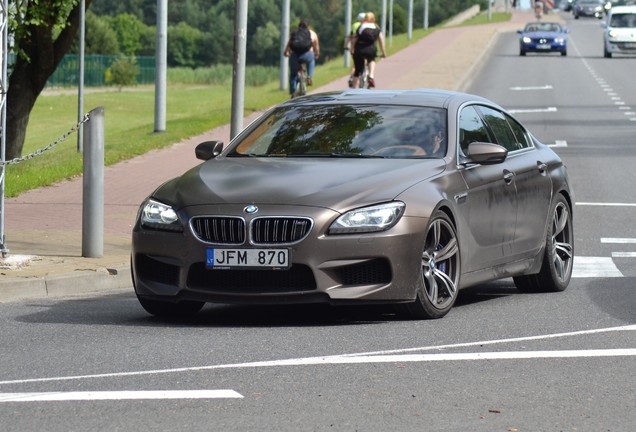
column 422, row 97
column 622, row 9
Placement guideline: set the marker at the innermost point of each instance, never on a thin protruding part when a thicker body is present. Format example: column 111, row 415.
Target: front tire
column 558, row 257
column 438, row 281
column 182, row 309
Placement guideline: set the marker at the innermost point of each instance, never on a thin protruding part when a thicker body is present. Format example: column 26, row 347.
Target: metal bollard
column 93, row 186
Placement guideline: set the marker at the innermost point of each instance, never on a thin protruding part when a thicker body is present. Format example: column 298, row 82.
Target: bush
column 123, row 72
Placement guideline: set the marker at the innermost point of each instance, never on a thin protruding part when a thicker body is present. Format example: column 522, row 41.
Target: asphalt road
column 500, row 361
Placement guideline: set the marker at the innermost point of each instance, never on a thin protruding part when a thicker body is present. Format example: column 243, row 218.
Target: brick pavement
column 43, row 226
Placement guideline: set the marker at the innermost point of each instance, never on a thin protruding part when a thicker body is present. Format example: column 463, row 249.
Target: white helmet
column 361, row 16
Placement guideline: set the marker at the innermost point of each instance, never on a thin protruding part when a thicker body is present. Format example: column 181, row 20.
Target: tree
column 184, row 43
column 100, row 38
column 129, row 30
column 43, row 32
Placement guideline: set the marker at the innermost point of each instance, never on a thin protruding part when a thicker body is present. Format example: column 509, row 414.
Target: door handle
column 508, row 176
column 543, row 167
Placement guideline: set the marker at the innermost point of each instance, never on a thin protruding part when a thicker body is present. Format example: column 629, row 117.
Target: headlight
column 526, row 39
column 612, row 34
column 155, row 214
column 559, row 40
column 368, row 219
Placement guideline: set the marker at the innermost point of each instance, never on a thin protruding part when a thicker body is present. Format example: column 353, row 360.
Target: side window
column 471, row 129
column 498, row 124
column 523, row 140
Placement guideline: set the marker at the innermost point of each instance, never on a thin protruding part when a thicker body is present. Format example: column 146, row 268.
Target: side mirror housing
column 208, row 150
column 486, row 153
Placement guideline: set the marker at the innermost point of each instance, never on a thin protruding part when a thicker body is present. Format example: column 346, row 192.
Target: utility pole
column 238, row 75
column 284, row 34
column 161, row 60
column 425, row 14
column 410, row 29
column 4, row 46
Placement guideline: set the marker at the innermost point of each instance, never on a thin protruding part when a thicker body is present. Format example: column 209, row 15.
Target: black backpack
column 368, row 35
column 300, row 40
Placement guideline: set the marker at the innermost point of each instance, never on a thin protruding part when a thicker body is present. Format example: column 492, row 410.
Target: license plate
column 543, row 47
column 266, row 259
column 630, row 45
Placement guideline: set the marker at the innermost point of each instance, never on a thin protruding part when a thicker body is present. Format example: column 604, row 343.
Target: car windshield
column 623, row 20
column 544, row 27
column 347, row 131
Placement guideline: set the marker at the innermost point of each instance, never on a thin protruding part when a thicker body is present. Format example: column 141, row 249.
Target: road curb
column 74, row 284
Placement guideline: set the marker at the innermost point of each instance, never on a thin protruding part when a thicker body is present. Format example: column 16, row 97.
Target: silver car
column 361, row 197
column 619, row 36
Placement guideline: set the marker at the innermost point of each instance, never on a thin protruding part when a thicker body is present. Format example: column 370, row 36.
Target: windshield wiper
column 356, row 155
column 308, row 155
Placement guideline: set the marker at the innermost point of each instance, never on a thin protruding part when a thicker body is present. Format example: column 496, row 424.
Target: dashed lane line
column 532, row 110
column 595, row 267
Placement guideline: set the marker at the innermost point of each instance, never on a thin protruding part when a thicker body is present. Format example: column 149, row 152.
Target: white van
column 620, row 31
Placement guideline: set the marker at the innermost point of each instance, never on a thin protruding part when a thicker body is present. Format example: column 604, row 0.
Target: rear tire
column 438, row 281
column 558, row 257
column 302, row 85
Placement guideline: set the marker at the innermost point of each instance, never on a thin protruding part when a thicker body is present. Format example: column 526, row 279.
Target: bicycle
column 364, row 78
column 301, row 87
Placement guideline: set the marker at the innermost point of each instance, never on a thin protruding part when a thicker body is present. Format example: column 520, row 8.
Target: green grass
column 482, row 18
column 200, row 102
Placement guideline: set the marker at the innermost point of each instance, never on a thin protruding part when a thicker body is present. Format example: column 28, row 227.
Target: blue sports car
column 543, row 37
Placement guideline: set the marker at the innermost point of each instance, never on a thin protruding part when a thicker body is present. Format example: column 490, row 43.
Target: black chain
column 48, row 147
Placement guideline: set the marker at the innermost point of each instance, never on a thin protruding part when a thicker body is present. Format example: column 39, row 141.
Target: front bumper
column 374, row 267
column 547, row 47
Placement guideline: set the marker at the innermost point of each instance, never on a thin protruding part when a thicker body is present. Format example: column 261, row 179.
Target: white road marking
column 623, row 254
column 335, row 358
column 501, row 355
column 534, row 110
column 598, row 204
column 118, row 395
column 519, row 88
column 617, row 240
column 595, row 267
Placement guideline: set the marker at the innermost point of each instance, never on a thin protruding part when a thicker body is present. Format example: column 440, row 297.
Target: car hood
column 331, row 183
column 623, row 34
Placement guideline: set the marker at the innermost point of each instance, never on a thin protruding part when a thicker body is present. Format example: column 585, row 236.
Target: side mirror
column 208, row 150
column 486, row 153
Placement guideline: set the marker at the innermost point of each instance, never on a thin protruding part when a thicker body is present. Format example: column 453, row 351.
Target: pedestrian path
column 43, row 226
